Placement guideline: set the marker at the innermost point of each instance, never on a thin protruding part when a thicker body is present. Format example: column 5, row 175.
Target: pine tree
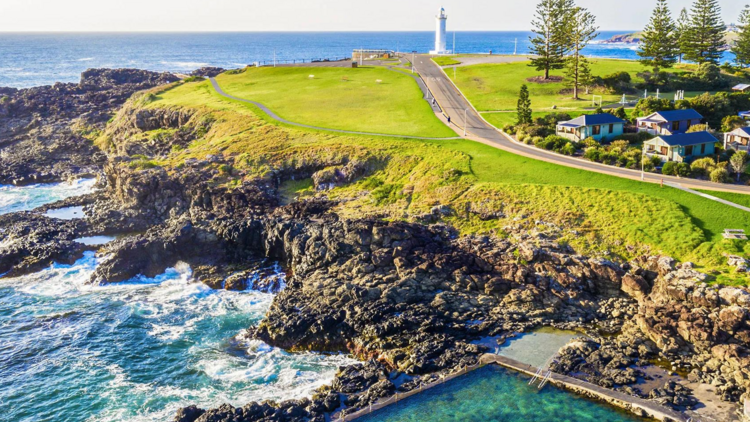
column 659, row 48
column 581, row 29
column 549, row 45
column 741, row 48
column 705, row 37
column 584, row 74
column 524, row 106
column 683, row 25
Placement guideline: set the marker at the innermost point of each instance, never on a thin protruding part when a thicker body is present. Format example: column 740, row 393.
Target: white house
column 670, row 122
column 738, row 139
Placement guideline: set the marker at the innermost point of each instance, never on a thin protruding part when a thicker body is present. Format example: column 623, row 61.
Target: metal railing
column 263, row 63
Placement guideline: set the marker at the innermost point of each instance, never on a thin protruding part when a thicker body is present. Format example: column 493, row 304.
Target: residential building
column 602, row 127
column 680, row 147
column 669, row 122
column 737, row 139
column 741, row 88
column 745, row 115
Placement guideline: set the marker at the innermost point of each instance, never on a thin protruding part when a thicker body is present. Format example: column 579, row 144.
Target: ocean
column 28, row 60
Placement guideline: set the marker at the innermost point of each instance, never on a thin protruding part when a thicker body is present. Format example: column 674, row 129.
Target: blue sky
column 308, row 15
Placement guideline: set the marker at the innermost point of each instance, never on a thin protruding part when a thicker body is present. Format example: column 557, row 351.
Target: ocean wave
column 25, row 198
column 185, row 65
column 85, row 59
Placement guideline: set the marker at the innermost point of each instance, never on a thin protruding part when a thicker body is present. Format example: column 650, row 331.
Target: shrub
column 683, row 169
column 709, row 73
column 719, row 175
column 591, row 142
column 522, row 137
column 535, row 140
column 593, row 154
column 509, row 129
column 731, row 123
column 226, row 169
column 703, row 166
column 568, row 149
column 635, row 138
column 651, row 105
column 620, row 113
column 554, row 142
column 697, row 128
column 621, row 145
column 669, row 168
column 618, row 82
column 655, row 161
column 194, row 79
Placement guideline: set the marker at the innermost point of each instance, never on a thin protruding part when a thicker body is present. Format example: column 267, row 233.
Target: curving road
column 283, row 120
column 455, row 105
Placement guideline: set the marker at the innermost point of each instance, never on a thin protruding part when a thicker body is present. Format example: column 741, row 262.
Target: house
column 601, row 127
column 669, row 122
column 745, row 115
column 737, row 139
column 741, row 88
column 680, row 147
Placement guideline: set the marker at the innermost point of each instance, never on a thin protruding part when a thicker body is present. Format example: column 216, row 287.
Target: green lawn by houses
column 366, row 99
column 493, row 87
column 407, row 177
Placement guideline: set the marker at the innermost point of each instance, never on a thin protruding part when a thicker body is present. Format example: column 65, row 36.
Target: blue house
column 669, row 122
column 682, row 147
column 601, row 127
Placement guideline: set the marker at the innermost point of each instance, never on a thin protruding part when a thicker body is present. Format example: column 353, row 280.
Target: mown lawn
column 407, row 177
column 340, row 98
column 492, row 87
column 445, row 61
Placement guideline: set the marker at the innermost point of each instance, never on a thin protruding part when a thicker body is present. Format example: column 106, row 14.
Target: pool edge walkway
column 638, row 406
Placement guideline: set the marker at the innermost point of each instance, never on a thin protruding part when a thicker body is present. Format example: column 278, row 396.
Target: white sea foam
column 185, row 65
column 86, row 59
column 24, row 198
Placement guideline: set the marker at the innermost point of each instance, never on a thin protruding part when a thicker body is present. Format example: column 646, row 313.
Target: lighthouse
column 441, row 20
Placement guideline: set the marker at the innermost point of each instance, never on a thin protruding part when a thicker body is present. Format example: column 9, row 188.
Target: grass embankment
column 366, row 99
column 494, row 87
column 596, row 212
column 445, row 61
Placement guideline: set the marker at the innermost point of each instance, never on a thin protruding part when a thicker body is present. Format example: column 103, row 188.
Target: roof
column 741, row 87
column 592, row 119
column 743, row 113
column 685, row 139
column 675, row 115
column 745, row 131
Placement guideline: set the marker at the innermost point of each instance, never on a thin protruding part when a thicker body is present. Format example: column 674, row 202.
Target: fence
column 400, row 396
column 262, row 63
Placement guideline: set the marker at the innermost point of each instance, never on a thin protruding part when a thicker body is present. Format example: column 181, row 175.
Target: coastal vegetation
column 482, row 189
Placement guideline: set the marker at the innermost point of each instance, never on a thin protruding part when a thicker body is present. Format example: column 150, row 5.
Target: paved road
column 282, row 120
column 456, row 106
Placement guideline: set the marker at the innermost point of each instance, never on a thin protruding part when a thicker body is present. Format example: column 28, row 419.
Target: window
column 688, row 150
column 675, row 126
column 664, row 150
column 651, row 148
column 689, row 123
column 703, row 149
column 596, row 130
column 611, row 128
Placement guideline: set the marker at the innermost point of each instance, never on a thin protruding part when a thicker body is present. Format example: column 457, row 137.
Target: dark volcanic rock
column 45, row 131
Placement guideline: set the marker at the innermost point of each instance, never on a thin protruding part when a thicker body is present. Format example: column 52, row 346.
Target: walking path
column 454, row 104
column 282, row 120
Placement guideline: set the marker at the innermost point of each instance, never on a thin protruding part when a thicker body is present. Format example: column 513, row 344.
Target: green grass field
column 407, row 177
column 493, row 87
column 445, row 61
column 340, row 98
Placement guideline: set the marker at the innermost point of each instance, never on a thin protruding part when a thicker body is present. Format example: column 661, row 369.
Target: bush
column 591, row 142
column 509, row 129
column 703, row 166
column 593, row 154
column 731, row 123
column 655, row 161
column 635, row 138
column 568, row 149
column 650, row 105
column 522, row 137
column 226, row 169
column 709, row 73
column 621, row 114
column 621, row 145
column 683, row 169
column 697, row 128
column 669, row 168
column 719, row 175
column 618, row 82
column 535, row 140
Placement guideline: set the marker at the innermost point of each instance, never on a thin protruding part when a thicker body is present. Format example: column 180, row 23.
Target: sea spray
column 138, row 351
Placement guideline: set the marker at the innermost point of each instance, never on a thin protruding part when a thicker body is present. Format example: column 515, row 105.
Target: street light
column 643, row 153
column 466, row 110
column 412, row 61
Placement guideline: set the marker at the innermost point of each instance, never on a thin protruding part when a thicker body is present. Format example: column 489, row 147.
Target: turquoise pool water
column 495, row 394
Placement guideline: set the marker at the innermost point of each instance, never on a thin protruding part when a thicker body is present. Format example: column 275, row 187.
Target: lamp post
column 412, row 61
column 466, row 110
column 643, row 154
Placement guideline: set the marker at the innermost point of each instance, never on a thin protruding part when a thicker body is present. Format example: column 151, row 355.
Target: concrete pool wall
column 640, row 407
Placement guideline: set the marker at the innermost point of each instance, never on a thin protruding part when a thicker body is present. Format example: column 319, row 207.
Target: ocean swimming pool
column 493, row 393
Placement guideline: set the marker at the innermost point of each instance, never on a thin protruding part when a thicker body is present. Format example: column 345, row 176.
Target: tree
column 738, row 162
column 741, row 48
column 549, row 45
column 731, row 123
column 581, row 29
column 659, row 47
column 682, row 27
column 524, row 106
column 704, row 40
column 584, row 74
column 621, row 114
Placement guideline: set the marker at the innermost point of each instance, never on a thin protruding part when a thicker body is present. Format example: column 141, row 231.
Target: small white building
column 440, row 33
column 738, row 139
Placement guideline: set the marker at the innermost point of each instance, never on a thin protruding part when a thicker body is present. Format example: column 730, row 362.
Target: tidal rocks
column 45, row 132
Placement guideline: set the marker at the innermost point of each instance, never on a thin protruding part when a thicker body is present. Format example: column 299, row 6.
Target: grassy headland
column 366, row 99
column 487, row 189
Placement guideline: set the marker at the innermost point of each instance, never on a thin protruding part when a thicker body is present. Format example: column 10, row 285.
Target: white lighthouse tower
column 440, row 37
